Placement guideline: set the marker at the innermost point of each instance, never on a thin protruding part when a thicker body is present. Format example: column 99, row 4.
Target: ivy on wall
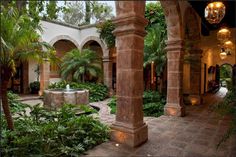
column 105, row 30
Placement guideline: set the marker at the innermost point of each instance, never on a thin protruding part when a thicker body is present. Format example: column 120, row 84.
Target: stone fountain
column 55, row 98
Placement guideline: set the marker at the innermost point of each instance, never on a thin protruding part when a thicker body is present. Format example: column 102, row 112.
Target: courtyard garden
column 147, row 94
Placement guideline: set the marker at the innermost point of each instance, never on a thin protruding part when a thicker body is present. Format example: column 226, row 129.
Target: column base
column 195, row 99
column 174, row 110
column 131, row 137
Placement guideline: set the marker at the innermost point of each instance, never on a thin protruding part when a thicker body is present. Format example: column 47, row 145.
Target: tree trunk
column 83, row 78
column 5, row 105
column 87, row 12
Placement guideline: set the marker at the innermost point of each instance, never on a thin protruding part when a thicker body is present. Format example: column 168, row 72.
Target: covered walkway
column 196, row 134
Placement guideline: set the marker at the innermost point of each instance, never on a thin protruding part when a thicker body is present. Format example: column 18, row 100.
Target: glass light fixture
column 223, row 34
column 228, row 45
column 223, row 54
column 215, row 12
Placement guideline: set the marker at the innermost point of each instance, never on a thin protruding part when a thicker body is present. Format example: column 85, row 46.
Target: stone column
column 195, row 76
column 44, row 76
column 175, row 53
column 107, row 73
column 129, row 127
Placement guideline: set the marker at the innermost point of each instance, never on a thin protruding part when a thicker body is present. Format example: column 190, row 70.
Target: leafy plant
column 153, row 104
column 151, row 96
column 97, row 92
column 52, row 133
column 19, row 42
column 34, row 87
column 154, row 14
column 154, row 109
column 15, row 105
column 154, row 45
column 105, row 30
column 112, row 105
column 227, row 107
column 79, row 63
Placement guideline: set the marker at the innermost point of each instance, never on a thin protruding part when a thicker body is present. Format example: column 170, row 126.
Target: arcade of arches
column 184, row 39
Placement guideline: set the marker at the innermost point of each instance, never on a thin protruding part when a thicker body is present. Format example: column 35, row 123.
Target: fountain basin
column 55, row 98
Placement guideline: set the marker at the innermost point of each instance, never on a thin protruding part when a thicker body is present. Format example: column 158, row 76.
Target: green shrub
column 97, row 92
column 153, row 109
column 52, row 133
column 153, row 104
column 112, row 105
column 15, row 105
column 151, row 96
column 225, row 108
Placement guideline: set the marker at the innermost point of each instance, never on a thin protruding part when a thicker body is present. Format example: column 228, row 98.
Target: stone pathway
column 195, row 135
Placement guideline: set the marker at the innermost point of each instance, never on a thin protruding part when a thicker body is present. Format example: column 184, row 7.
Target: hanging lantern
column 223, row 34
column 229, row 45
column 215, row 12
column 223, row 54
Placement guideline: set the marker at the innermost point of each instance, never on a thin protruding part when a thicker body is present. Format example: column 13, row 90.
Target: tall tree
column 101, row 11
column 19, row 41
column 94, row 11
column 154, row 48
column 155, row 14
column 52, row 10
column 73, row 13
column 155, row 39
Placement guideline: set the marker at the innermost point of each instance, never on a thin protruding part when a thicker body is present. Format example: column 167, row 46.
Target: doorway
column 226, row 73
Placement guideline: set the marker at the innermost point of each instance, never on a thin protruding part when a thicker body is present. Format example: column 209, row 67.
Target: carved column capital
column 106, row 59
column 174, row 45
column 130, row 25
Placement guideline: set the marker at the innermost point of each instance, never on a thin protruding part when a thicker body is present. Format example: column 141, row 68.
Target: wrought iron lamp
column 215, row 12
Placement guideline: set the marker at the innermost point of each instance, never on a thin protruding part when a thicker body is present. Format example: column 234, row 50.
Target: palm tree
column 154, row 47
column 19, row 41
column 79, row 63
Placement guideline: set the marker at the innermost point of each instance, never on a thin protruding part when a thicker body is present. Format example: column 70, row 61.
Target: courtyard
column 118, row 78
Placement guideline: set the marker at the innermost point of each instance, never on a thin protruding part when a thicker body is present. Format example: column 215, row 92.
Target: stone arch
column 64, row 37
column 105, row 49
column 173, row 20
column 226, row 64
column 191, row 25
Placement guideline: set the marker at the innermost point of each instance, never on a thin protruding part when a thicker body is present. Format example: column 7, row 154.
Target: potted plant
column 34, row 87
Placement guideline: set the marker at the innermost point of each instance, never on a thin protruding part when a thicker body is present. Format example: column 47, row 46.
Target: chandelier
column 228, row 45
column 223, row 34
column 214, row 12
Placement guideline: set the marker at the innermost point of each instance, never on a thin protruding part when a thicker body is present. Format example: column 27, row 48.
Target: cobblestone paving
column 195, row 135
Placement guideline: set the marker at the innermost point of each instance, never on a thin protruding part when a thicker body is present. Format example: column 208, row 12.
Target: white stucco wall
column 32, row 67
column 53, row 31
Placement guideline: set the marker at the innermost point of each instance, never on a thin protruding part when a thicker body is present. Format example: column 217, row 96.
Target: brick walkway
column 195, row 135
